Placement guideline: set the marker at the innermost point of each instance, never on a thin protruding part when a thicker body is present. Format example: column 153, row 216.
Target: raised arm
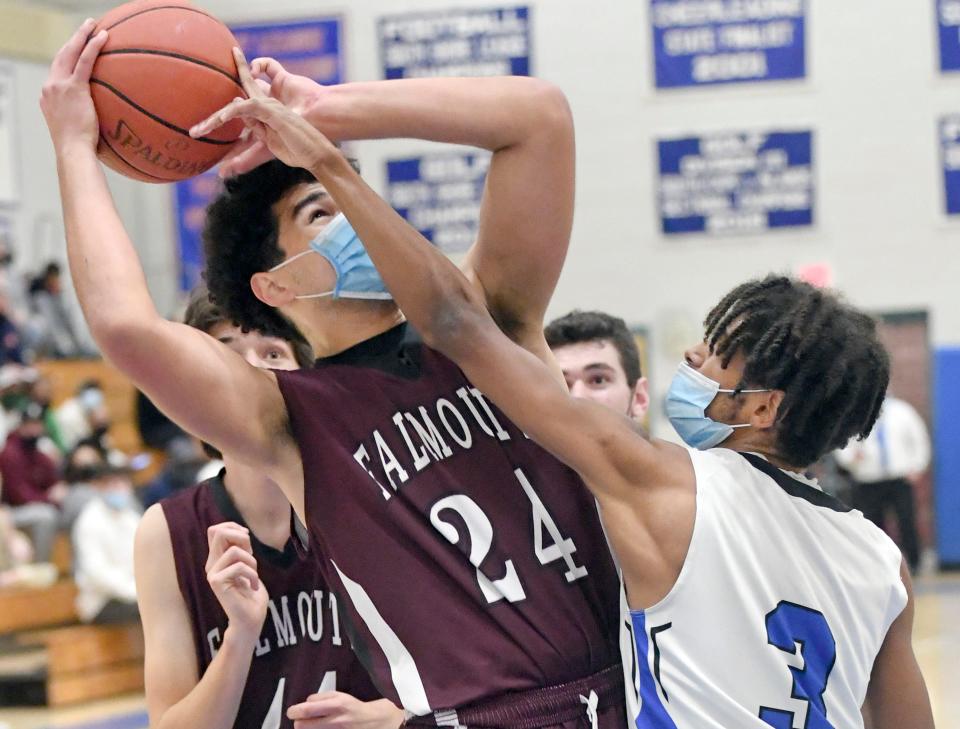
column 207, row 389
column 527, row 209
column 452, row 316
column 177, row 696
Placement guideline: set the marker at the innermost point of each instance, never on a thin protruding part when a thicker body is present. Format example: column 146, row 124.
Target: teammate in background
column 217, row 568
column 471, row 564
column 599, row 360
column 757, row 600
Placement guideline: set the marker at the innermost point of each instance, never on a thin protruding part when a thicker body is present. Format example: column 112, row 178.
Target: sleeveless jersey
column 302, row 647
column 780, row 609
column 470, row 562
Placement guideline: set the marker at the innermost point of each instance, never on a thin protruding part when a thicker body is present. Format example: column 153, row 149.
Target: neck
column 334, row 326
column 767, row 452
column 260, row 502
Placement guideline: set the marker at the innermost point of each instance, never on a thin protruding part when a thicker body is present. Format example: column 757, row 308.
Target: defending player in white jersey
column 756, row 599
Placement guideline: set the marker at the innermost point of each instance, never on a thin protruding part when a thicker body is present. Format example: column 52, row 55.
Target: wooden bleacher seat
column 29, row 608
column 87, row 662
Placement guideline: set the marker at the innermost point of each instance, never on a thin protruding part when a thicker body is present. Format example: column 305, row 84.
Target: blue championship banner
column 439, row 195
column 948, row 25
column 738, row 182
column 311, row 48
column 950, row 153
column 459, row 42
column 700, row 42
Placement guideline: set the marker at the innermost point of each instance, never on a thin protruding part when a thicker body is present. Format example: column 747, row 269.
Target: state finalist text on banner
column 309, row 48
column 460, row 42
column 700, row 42
column 738, row 182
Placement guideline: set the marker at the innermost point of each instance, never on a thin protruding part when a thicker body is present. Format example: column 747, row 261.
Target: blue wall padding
column 946, row 415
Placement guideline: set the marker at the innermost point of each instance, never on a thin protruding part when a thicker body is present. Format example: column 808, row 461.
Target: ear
column 640, row 401
column 765, row 409
column 269, row 291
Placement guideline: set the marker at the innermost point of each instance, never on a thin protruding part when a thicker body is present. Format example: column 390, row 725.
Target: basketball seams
column 198, row 11
column 159, row 120
column 172, row 54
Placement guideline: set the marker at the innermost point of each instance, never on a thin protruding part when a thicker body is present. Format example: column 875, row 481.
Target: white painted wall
column 873, row 96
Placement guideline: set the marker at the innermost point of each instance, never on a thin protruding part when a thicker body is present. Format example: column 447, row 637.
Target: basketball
column 166, row 66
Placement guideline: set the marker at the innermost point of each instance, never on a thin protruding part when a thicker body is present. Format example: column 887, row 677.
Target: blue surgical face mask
column 118, row 500
column 689, row 396
column 357, row 277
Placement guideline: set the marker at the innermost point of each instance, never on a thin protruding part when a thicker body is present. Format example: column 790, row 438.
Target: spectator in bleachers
column 41, row 392
column 31, row 482
column 103, row 538
column 75, row 414
column 53, row 330
column 82, row 465
column 11, row 341
column 12, row 286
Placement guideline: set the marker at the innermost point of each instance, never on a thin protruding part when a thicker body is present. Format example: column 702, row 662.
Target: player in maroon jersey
column 219, row 560
column 471, row 569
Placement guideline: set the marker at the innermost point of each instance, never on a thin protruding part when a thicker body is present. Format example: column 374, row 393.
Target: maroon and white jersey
column 469, row 562
column 302, row 647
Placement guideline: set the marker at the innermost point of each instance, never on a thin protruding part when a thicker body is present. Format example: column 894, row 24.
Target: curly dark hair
column 824, row 354
column 204, row 315
column 240, row 239
column 590, row 326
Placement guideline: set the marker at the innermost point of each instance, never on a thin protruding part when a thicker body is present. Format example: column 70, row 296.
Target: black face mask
column 30, row 442
column 100, row 431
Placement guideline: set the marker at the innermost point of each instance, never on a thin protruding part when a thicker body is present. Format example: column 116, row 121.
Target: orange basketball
column 166, row 65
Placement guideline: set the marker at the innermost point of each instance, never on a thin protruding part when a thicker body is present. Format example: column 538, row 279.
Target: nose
column 696, row 355
column 252, row 358
column 578, row 389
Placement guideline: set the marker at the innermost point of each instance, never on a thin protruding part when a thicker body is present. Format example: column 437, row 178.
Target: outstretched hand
column 65, row 100
column 298, row 93
column 278, row 128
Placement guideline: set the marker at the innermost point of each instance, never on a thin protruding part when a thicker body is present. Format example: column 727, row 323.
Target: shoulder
column 153, row 533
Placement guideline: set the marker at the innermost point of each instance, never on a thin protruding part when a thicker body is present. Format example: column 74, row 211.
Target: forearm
column 214, row 702
column 103, row 263
column 428, row 287
column 491, row 113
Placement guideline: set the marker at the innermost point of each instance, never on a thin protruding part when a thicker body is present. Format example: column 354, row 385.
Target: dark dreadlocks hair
column 240, row 239
column 824, row 354
column 591, row 326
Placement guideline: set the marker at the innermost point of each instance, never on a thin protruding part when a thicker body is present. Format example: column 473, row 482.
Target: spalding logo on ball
column 166, row 66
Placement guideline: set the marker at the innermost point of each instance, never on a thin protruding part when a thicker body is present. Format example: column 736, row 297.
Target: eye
column 315, row 215
column 599, row 380
column 274, row 354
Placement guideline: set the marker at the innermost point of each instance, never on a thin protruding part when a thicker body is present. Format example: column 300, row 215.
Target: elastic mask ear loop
column 741, row 392
column 291, row 260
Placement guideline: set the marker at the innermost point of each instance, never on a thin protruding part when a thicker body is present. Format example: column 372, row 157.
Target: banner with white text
column 439, row 195
column 460, row 42
column 703, row 42
column 736, row 182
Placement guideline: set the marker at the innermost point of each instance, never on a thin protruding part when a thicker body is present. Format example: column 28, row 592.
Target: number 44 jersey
column 780, row 609
column 469, row 562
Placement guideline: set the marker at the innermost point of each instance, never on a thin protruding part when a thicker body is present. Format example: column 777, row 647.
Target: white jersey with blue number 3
column 779, row 611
